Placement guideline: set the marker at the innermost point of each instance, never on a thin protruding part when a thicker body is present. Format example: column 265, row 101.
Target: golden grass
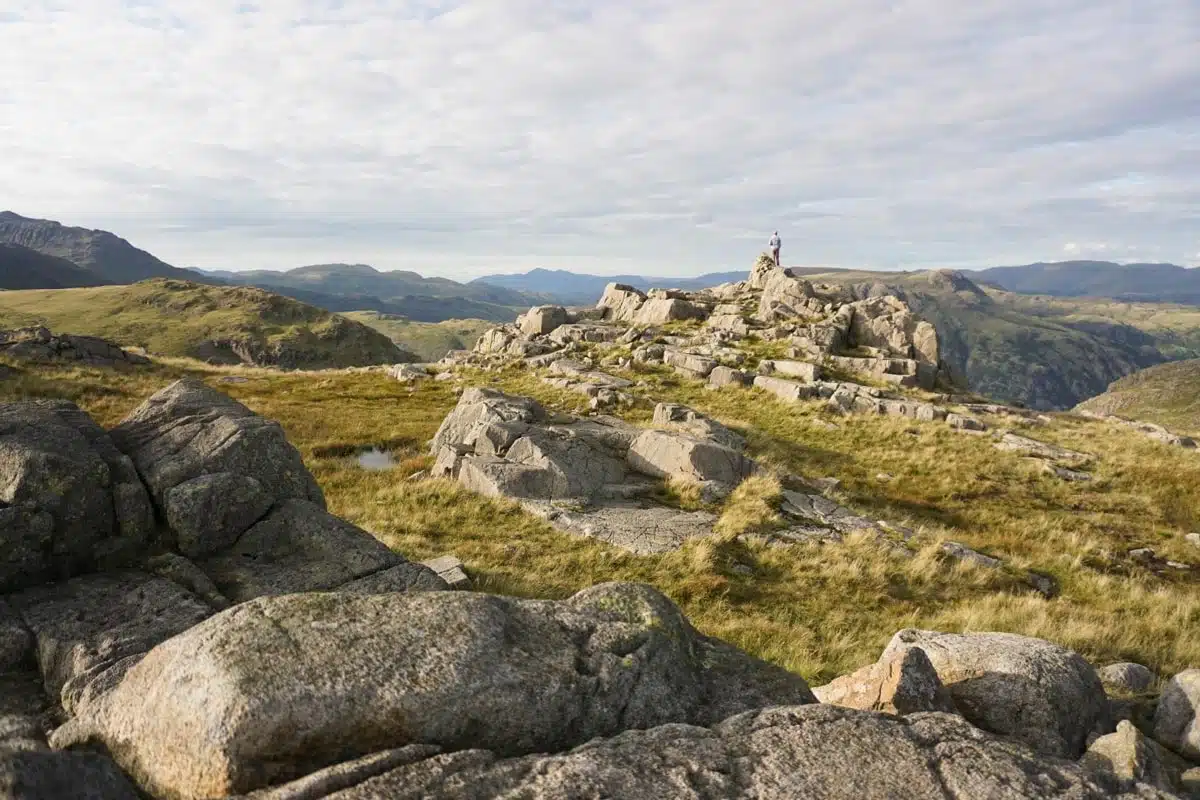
column 818, row 609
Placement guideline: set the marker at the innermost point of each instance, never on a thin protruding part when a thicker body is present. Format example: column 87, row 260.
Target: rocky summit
column 183, row 618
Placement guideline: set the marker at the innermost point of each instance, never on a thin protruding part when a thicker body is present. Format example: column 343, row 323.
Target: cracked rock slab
column 637, row 527
column 812, row 752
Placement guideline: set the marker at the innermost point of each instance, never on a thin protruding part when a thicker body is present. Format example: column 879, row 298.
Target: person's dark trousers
column 775, row 255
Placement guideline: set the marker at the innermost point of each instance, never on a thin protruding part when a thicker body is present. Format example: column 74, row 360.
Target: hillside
column 352, row 287
column 575, row 288
column 429, row 341
column 109, row 257
column 1165, row 394
column 1162, row 283
column 779, row 527
column 25, row 268
column 227, row 325
column 1040, row 351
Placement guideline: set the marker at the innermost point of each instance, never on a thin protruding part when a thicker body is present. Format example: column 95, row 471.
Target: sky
column 665, row 137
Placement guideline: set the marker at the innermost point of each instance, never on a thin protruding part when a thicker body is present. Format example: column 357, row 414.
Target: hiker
column 775, row 243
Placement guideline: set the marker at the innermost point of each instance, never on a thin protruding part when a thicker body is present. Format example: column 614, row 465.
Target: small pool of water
column 376, row 459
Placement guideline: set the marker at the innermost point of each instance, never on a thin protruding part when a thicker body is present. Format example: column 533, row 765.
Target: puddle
column 376, row 459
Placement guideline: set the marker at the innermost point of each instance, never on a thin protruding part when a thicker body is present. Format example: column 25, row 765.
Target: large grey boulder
column 1177, row 718
column 70, row 502
column 657, row 311
column 298, row 548
column 541, row 320
column 620, row 302
column 278, row 687
column 1127, row 677
column 88, row 625
column 1032, row 690
column 806, row 752
column 479, row 408
column 38, row 344
column 662, row 454
column 212, row 465
column 690, row 364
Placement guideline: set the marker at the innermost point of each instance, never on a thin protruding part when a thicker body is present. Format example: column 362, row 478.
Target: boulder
column 479, row 407
column 299, row 547
column 965, row 423
column 407, row 373
column 785, row 390
column 1177, row 718
column 1036, row 692
column 726, row 376
column 1127, row 677
column 620, row 302
column 693, row 423
column 87, row 625
column 541, row 320
column 692, row 365
column 212, row 465
column 70, row 502
column 279, row 687
column 799, row 370
column 812, row 751
column 905, row 683
column 656, row 311
column 1129, row 758
column 668, row 455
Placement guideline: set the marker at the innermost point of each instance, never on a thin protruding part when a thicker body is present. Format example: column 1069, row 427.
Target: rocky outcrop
column 213, row 467
column 457, row 670
column 782, row 753
column 70, row 502
column 39, row 345
column 1034, row 691
column 505, row 446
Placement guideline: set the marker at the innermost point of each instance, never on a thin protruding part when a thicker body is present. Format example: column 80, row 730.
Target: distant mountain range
column 1160, row 283
column 103, row 258
column 359, row 287
column 574, row 288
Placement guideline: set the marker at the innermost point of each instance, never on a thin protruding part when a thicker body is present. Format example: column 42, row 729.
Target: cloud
column 659, row 135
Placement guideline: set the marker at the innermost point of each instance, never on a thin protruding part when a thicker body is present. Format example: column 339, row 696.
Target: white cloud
column 662, row 135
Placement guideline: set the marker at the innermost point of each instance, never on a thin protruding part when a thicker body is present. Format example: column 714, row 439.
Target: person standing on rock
column 775, row 244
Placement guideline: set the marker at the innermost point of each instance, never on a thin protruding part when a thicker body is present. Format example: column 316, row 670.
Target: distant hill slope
column 429, row 341
column 223, row 324
column 573, row 288
column 1166, row 283
column 1042, row 351
column 350, row 287
column 110, row 258
column 1167, row 394
column 24, row 268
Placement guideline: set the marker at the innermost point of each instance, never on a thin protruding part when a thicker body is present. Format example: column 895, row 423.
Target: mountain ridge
column 1156, row 282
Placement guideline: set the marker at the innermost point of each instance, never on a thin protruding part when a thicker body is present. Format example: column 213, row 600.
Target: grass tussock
column 821, row 610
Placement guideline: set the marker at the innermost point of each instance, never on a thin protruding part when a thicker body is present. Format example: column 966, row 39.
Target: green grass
column 819, row 610
column 1167, row 394
column 176, row 318
column 428, row 340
